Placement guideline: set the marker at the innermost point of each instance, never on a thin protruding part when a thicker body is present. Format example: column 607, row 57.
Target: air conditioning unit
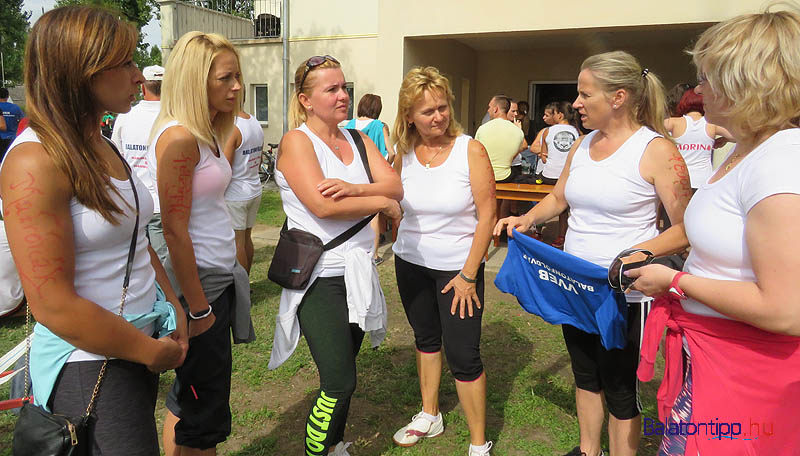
column 267, row 26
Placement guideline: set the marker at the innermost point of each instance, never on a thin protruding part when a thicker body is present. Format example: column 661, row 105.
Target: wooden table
column 520, row 192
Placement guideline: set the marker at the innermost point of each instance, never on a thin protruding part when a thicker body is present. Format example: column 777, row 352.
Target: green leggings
column 334, row 344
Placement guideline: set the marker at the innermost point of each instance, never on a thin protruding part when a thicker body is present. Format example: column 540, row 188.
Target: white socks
column 429, row 417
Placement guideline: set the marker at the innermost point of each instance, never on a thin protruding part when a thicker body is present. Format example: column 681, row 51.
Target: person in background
column 131, row 135
column 536, row 145
column 612, row 182
column 449, row 211
column 12, row 114
column 369, row 109
column 187, row 165
column 70, row 207
column 695, row 137
column 674, row 96
column 243, row 196
column 524, row 120
column 556, row 144
column 733, row 314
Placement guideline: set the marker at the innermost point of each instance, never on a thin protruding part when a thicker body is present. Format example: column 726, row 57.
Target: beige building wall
column 482, row 47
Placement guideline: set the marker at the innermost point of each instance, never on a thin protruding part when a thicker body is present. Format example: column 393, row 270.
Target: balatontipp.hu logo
column 712, row 429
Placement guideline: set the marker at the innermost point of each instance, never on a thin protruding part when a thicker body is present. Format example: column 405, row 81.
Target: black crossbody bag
column 41, row 433
column 298, row 251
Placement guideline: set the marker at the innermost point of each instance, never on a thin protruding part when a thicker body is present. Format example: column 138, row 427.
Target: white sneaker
column 340, row 449
column 418, row 428
column 484, row 452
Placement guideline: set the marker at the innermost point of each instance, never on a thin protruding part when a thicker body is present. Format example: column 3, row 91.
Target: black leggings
column 334, row 344
column 428, row 313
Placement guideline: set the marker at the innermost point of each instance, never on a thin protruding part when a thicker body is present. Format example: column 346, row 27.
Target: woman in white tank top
column 695, row 137
column 70, row 212
column 612, row 182
column 192, row 173
column 325, row 191
column 243, row 195
column 448, row 214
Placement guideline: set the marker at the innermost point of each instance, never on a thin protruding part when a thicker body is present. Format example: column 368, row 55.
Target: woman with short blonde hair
column 733, row 313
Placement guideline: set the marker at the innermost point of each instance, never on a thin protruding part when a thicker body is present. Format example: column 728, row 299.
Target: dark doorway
column 544, row 93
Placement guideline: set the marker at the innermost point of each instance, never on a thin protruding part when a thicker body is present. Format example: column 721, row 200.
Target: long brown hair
column 67, row 47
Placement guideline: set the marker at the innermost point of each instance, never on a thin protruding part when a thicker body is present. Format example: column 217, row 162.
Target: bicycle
column 266, row 170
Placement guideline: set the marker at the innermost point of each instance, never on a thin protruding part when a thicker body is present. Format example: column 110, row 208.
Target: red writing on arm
column 178, row 194
column 41, row 265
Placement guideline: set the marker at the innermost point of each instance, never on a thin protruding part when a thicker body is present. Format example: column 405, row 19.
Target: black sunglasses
column 312, row 63
column 616, row 272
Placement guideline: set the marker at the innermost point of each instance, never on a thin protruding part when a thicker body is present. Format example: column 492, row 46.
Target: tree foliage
column 14, row 28
column 138, row 12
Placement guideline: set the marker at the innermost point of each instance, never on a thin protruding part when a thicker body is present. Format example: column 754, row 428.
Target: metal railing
column 265, row 14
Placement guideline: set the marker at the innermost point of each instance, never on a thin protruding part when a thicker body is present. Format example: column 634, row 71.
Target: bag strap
column 340, row 239
column 125, row 282
column 362, row 151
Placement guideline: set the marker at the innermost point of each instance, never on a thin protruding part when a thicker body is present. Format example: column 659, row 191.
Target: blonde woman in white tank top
column 649, row 173
column 325, row 191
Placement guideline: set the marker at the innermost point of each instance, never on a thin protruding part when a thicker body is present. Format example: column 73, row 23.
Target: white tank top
column 612, row 207
column 245, row 184
column 559, row 141
column 209, row 224
column 101, row 252
column 696, row 147
column 299, row 216
column 439, row 215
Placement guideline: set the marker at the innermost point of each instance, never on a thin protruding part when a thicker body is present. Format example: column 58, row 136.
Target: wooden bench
column 520, row 192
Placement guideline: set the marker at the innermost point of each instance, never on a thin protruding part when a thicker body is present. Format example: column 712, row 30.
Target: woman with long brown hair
column 70, row 207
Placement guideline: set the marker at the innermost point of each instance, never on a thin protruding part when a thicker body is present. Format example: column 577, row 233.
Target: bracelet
column 466, row 279
column 202, row 315
column 674, row 289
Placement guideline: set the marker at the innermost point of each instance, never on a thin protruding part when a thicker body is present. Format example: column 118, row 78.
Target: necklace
column 428, row 164
column 732, row 162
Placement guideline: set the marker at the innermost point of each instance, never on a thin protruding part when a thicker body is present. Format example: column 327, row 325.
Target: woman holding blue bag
column 612, row 182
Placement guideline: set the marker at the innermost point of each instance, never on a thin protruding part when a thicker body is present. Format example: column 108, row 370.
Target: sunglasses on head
column 312, row 63
column 616, row 272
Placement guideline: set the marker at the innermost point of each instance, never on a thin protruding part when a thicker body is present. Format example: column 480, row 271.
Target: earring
column 615, row 106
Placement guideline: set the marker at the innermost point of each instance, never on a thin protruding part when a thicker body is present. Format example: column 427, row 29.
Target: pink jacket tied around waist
column 740, row 374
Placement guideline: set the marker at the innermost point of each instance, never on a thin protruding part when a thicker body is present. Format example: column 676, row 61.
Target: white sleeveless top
column 299, row 216
column 559, row 141
column 101, row 252
column 612, row 207
column 245, row 184
column 717, row 214
column 209, row 224
column 439, row 214
column 696, row 147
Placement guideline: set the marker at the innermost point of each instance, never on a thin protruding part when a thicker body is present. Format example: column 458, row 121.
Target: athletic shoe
column 418, row 428
column 484, row 452
column 377, row 260
column 341, row 449
column 577, row 452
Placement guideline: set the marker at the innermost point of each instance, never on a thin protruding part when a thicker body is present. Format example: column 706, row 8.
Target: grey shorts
column 243, row 213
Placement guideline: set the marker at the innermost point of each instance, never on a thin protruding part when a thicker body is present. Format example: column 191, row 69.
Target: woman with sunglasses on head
column 199, row 103
column 448, row 214
column 733, row 313
column 71, row 205
column 326, row 190
column 612, row 181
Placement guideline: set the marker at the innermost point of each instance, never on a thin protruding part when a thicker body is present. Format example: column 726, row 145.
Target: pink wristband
column 674, row 289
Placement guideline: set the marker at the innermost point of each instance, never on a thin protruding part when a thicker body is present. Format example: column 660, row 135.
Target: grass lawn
column 530, row 410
